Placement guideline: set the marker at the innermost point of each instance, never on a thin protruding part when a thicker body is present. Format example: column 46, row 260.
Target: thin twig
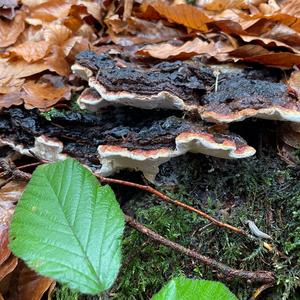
column 29, row 165
column 164, row 197
column 261, row 289
column 228, row 272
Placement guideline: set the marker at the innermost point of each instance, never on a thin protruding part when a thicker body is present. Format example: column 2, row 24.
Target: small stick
column 165, row 198
column 264, row 277
column 29, row 165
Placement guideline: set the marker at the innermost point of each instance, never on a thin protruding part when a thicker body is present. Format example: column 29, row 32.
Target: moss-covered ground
column 262, row 189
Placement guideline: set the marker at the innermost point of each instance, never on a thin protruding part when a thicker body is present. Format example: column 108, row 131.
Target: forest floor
column 261, row 188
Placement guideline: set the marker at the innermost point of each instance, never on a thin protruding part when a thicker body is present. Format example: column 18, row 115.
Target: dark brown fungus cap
column 121, row 138
column 221, row 95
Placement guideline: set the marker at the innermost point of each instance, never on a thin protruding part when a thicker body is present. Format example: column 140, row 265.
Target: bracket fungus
column 234, row 95
column 113, row 141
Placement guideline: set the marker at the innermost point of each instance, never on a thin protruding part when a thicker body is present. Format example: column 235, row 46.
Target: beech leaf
column 188, row 289
column 68, row 227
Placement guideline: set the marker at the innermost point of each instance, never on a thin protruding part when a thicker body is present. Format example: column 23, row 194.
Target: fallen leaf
column 188, row 49
column 7, row 8
column 220, row 5
column 294, row 82
column 7, row 100
column 31, row 51
column 33, row 2
column 43, row 95
column 8, row 3
column 93, row 8
column 8, row 266
column 268, row 42
column 56, row 62
column 51, row 10
column 10, row 30
column 137, row 31
column 12, row 191
column 127, row 9
column 258, row 54
column 56, row 34
column 291, row 7
column 20, row 68
column 10, row 84
column 4, row 250
column 184, row 14
column 25, row 284
column 285, row 34
column 10, row 88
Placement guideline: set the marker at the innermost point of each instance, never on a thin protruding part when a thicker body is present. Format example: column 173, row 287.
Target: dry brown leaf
column 188, row 49
column 56, row 34
column 294, row 82
column 127, row 9
column 8, row 266
column 7, row 8
column 73, row 23
column 25, row 284
column 51, row 10
column 10, row 84
column 268, row 42
column 10, row 30
column 285, row 34
column 43, row 95
column 7, row 100
column 291, row 7
column 137, row 31
column 12, row 191
column 33, row 2
column 183, row 14
column 10, row 93
column 4, row 250
column 31, row 51
column 56, row 62
column 258, row 54
column 220, row 5
column 93, row 8
column 20, row 68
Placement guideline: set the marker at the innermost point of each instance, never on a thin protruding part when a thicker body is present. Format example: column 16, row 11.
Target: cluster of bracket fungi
column 143, row 114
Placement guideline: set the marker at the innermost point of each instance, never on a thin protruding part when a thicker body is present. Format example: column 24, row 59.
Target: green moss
column 262, row 190
column 64, row 293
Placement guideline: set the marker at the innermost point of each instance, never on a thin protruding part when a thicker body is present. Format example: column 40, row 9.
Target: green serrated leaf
column 188, row 289
column 68, row 227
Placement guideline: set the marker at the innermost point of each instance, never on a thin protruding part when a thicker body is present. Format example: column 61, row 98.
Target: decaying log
column 234, row 95
column 115, row 140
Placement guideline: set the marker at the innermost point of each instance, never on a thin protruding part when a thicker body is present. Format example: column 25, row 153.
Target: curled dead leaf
column 184, row 14
column 10, row 30
column 220, row 5
column 294, row 83
column 56, row 62
column 31, row 51
column 93, row 8
column 8, row 266
column 291, row 7
column 25, row 284
column 137, row 31
column 43, row 95
column 50, row 10
column 188, row 49
column 20, row 68
column 7, row 100
column 258, row 54
column 4, row 250
column 56, row 34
